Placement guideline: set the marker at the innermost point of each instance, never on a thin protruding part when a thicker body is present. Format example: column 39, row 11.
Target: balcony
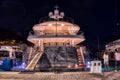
column 59, row 33
column 65, row 19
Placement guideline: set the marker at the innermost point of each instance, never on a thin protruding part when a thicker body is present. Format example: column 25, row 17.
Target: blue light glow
column 20, row 67
column 1, row 62
column 88, row 64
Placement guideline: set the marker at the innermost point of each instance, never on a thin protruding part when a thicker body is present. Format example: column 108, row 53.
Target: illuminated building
column 56, row 40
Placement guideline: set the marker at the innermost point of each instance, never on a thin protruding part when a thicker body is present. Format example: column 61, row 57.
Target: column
column 41, row 45
column 72, row 42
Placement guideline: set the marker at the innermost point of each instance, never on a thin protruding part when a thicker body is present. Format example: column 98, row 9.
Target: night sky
column 96, row 18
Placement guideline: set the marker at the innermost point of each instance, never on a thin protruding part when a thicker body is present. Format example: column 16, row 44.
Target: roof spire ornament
column 56, row 15
column 56, row 7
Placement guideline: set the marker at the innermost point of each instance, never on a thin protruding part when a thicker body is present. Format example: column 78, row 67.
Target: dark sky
column 96, row 18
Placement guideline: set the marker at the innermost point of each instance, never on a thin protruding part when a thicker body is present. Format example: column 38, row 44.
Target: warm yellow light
column 69, row 66
column 62, row 24
column 76, row 65
column 13, row 40
column 49, row 24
